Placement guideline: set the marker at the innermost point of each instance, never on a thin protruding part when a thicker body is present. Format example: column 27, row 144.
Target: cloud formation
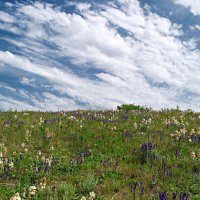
column 99, row 56
column 193, row 5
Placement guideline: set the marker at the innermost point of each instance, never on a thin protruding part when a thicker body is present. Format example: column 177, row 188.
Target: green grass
column 140, row 154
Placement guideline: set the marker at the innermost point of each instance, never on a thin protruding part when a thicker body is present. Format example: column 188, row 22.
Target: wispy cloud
column 106, row 55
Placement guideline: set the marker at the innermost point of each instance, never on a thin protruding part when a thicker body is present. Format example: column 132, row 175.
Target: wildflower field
column 113, row 154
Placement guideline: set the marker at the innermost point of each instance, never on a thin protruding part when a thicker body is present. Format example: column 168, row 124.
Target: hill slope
column 141, row 154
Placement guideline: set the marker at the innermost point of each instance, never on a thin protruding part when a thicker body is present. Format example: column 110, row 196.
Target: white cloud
column 5, row 17
column 131, row 66
column 193, row 5
column 29, row 82
column 195, row 28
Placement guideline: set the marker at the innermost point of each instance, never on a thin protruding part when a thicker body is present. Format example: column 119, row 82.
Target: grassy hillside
column 140, row 154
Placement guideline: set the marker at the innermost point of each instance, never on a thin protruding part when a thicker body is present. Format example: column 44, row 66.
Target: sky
column 98, row 54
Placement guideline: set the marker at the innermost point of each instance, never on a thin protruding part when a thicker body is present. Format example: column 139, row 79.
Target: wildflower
column 1, row 162
column 163, row 196
column 11, row 165
column 16, row 197
column 23, row 145
column 174, row 196
column 190, row 140
column 32, row 190
column 114, row 128
column 49, row 135
column 193, row 155
column 15, row 116
column 41, row 120
column 144, row 147
column 24, row 192
column 14, row 153
column 135, row 125
column 92, row 194
column 192, row 132
column 183, row 131
column 26, row 150
column 43, row 158
column 39, row 152
column 83, row 198
column 43, row 183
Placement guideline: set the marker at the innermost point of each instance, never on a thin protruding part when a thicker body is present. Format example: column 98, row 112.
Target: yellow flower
column 83, row 198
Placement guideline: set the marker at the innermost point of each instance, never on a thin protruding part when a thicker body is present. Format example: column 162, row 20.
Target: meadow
column 118, row 154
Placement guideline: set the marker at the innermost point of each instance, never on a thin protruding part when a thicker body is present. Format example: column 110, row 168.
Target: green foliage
column 129, row 107
column 88, row 183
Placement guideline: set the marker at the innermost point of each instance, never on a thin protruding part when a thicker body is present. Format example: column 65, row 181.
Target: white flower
column 83, row 198
column 23, row 145
column 32, row 190
column 190, row 140
column 11, row 164
column 43, row 183
column 27, row 131
column 39, row 152
column 26, row 150
column 92, row 194
column 52, row 147
column 41, row 120
column 43, row 158
column 135, row 125
column 16, row 197
column 193, row 155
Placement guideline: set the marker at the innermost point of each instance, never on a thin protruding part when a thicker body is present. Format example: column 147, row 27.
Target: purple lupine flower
column 173, row 196
column 163, row 196
column 40, row 167
column 143, row 148
column 135, row 185
column 150, row 146
column 46, row 169
column 142, row 190
column 184, row 196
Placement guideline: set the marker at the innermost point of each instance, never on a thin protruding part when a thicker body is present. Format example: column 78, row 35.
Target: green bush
column 131, row 107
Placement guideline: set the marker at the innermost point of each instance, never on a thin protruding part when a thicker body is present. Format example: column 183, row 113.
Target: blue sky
column 66, row 55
